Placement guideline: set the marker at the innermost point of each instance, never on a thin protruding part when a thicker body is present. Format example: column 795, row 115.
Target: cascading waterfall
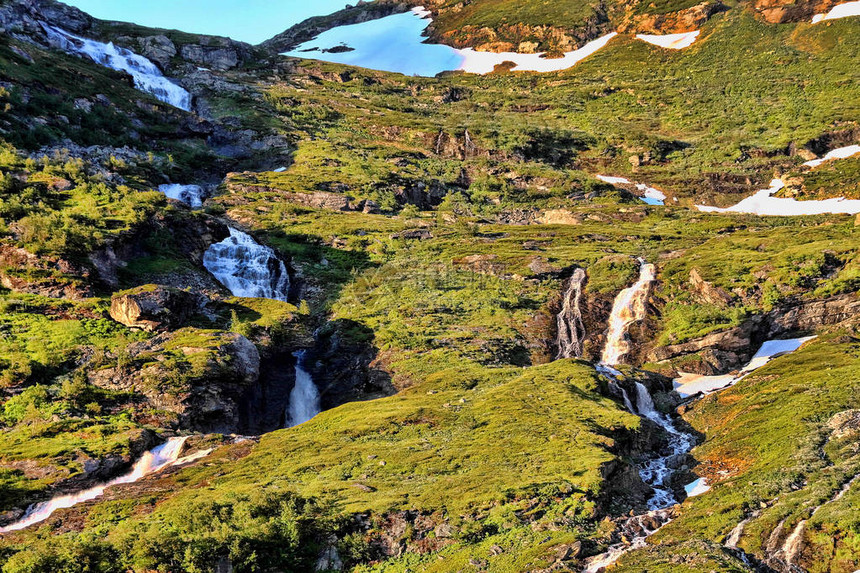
column 657, row 471
column 571, row 330
column 147, row 76
column 247, row 268
column 630, row 306
column 193, row 195
column 160, row 457
column 305, row 397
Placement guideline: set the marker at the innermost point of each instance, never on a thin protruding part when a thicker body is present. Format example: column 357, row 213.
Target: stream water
column 147, row 77
column 160, row 457
column 658, row 470
column 247, row 268
column 193, row 195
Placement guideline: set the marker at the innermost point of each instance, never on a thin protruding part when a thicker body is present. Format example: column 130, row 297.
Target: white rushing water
column 840, row 11
column 630, row 306
column 247, row 268
column 193, row 195
column 569, row 325
column 650, row 195
column 167, row 454
column 305, row 397
column 691, row 384
column 147, row 76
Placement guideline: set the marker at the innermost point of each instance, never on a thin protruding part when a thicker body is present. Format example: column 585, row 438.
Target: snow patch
column 651, row 195
column 147, row 77
column 763, row 203
column 697, row 487
column 397, row 44
column 485, row 62
column 840, row 153
column 840, row 11
column 671, row 41
column 691, row 384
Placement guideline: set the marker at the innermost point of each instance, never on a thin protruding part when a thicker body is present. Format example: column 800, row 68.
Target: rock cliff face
column 54, row 277
column 346, row 366
column 784, row 11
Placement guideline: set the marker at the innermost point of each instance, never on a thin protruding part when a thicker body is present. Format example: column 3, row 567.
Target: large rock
column 158, row 48
column 153, row 307
column 708, row 293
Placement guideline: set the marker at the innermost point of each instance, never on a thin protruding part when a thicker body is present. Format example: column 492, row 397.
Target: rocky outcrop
column 346, row 366
column 686, row 20
column 153, row 307
column 708, row 293
column 201, row 377
column 189, row 234
column 784, row 11
column 53, row 277
column 726, row 350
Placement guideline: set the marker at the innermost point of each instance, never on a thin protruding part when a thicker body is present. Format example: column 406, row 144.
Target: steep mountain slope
column 416, row 238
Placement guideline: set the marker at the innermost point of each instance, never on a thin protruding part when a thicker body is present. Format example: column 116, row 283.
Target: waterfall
column 305, row 397
column 571, row 330
column 147, row 77
column 655, row 472
column 158, row 458
column 644, row 403
column 193, row 195
column 247, row 268
column 630, row 306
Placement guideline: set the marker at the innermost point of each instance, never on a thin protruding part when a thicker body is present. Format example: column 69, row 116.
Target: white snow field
column 397, row 44
column 840, row 11
column 671, row 41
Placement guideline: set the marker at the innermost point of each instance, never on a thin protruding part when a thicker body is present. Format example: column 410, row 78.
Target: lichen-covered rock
column 153, row 307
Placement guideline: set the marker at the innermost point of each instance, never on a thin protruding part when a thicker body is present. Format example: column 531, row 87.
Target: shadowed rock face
column 153, row 307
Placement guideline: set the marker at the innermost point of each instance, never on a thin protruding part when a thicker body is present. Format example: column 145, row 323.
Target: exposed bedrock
column 727, row 350
column 346, row 366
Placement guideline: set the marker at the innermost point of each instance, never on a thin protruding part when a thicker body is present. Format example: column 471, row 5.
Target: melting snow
column 840, row 153
column 763, row 203
column 147, row 76
column 484, row 62
column 397, row 44
column 840, row 11
column 651, row 196
column 690, row 384
column 671, row 41
column 697, row 487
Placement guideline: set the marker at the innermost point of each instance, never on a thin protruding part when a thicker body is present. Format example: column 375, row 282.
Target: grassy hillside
column 429, row 224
